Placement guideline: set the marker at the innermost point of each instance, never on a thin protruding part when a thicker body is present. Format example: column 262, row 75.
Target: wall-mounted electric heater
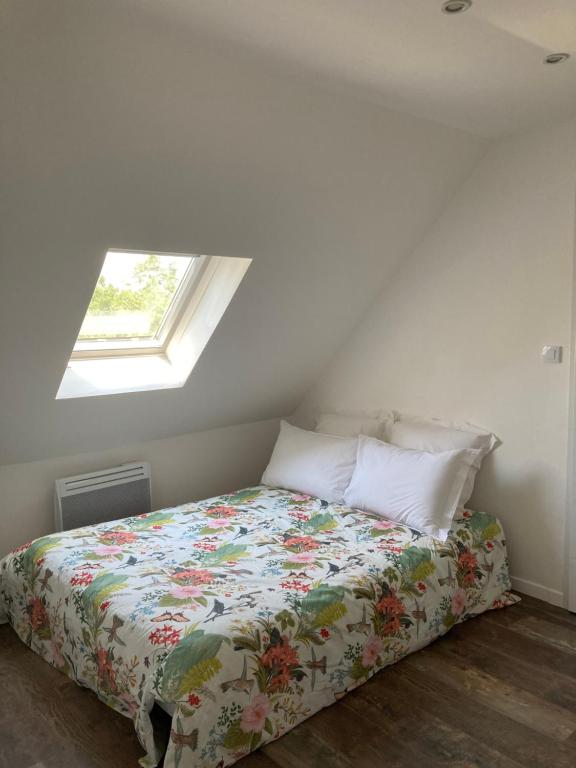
column 98, row 497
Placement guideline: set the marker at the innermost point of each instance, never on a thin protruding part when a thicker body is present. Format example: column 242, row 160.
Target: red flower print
column 156, row 527
column 280, row 658
column 21, row 548
column 467, row 561
column 118, row 537
column 388, row 546
column 205, row 546
column 299, row 516
column 466, row 513
column 391, row 605
column 193, row 576
column 105, row 605
column 421, row 586
column 280, row 654
column 325, row 633
column 295, row 584
column 193, row 700
column 490, row 544
column 165, row 636
column 38, row 615
column 106, row 674
column 81, row 579
column 222, row 512
column 393, row 608
column 392, row 626
column 468, row 564
column 301, row 543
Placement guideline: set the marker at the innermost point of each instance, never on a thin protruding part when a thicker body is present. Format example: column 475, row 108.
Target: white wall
column 184, row 468
column 122, row 127
column 458, row 333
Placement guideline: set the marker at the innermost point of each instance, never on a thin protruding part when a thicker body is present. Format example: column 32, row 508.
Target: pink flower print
column 384, row 525
column 302, row 557
column 255, row 714
column 458, row 602
column 218, row 522
column 108, row 550
column 372, row 650
column 186, row 591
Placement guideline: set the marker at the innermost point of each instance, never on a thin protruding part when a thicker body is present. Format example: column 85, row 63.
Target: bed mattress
column 243, row 614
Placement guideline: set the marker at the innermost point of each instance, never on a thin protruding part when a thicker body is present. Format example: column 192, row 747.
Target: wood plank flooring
column 497, row 692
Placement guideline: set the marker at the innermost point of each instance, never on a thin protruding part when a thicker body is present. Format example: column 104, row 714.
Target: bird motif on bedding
column 247, row 613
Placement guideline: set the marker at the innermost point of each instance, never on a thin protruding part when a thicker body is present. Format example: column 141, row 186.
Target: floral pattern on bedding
column 248, row 612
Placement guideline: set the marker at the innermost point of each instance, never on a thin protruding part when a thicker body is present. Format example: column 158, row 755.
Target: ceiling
column 480, row 71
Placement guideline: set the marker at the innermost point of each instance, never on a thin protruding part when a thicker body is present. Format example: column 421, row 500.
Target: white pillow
column 349, row 425
column 312, row 463
column 415, row 488
column 435, row 436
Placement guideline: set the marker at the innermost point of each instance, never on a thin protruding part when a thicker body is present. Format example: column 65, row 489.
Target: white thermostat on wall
column 552, row 354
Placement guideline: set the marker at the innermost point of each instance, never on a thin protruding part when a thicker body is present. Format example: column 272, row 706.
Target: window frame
column 90, row 350
column 205, row 304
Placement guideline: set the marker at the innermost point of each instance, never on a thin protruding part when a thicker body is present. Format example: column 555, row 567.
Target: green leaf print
column 185, row 667
column 416, row 563
column 321, row 522
column 37, row 550
column 168, row 601
column 285, row 619
column 242, row 497
column 320, row 598
column 101, row 587
column 268, row 727
column 358, row 670
column 330, row 615
column 247, row 642
column 491, row 531
column 224, row 553
column 481, row 527
column 236, row 738
column 199, row 675
column 449, row 620
column 154, row 518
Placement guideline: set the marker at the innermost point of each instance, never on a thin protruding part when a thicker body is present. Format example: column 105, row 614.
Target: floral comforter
column 246, row 613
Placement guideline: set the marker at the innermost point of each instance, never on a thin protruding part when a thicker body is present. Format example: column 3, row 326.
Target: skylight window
column 135, row 302
column 149, row 319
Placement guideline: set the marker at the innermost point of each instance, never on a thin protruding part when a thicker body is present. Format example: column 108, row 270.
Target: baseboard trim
column 553, row 596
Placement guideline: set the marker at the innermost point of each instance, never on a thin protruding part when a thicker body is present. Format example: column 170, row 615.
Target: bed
column 244, row 614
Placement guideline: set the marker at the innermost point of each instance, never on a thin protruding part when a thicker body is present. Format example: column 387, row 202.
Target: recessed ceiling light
column 556, row 58
column 456, row 6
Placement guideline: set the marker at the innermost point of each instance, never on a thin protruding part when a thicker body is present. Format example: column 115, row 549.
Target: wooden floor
column 498, row 692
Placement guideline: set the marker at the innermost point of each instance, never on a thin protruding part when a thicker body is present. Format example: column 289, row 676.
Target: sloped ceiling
column 126, row 129
column 481, row 70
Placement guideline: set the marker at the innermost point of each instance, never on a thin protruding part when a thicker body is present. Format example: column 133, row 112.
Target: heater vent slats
column 97, row 497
